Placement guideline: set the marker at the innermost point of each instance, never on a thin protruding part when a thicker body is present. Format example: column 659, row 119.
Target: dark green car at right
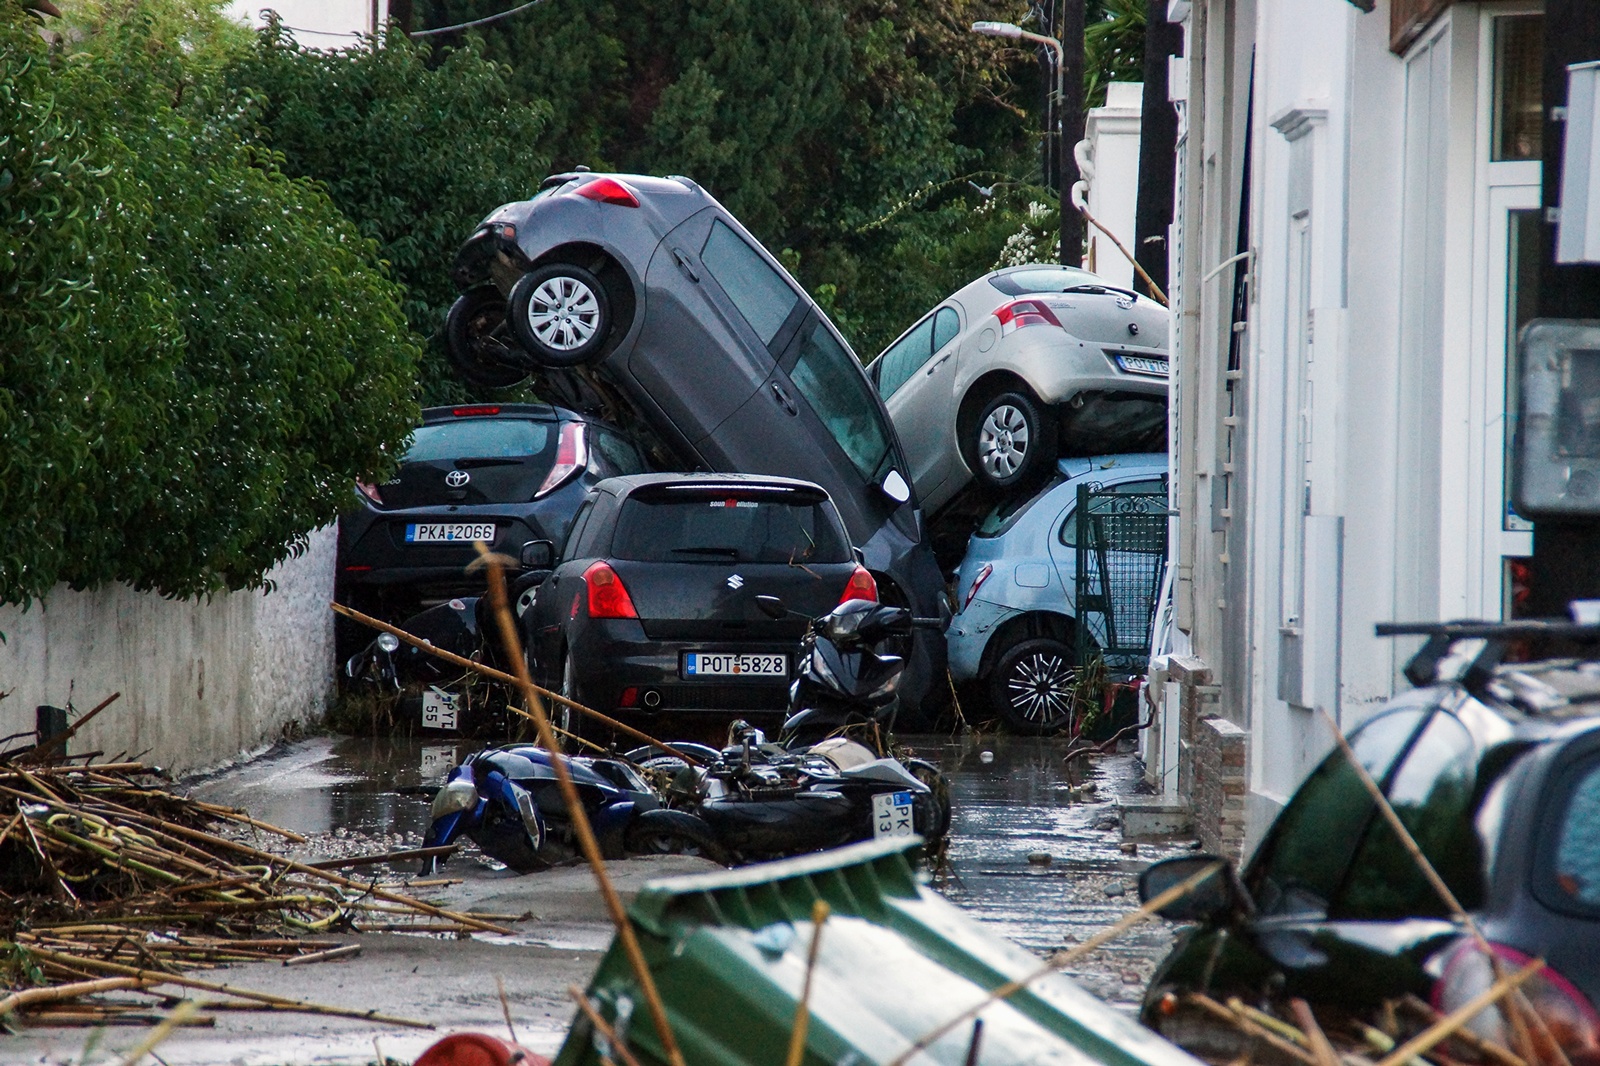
column 1494, row 769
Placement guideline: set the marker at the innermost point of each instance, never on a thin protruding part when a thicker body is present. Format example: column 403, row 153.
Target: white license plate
column 437, row 760
column 891, row 815
column 730, row 664
column 440, row 709
column 1138, row 364
column 435, row 532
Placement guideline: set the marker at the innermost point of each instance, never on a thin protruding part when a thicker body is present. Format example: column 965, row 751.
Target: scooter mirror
column 772, row 607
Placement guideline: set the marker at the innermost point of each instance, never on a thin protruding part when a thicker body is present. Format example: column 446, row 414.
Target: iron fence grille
column 1122, row 557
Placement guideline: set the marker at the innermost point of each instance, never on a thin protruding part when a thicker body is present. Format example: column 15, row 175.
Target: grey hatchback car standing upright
column 642, row 298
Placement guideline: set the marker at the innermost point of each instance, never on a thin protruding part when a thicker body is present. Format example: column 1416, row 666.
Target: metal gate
column 1122, row 556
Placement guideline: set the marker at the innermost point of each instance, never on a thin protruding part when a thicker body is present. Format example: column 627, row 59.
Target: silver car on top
column 1019, row 367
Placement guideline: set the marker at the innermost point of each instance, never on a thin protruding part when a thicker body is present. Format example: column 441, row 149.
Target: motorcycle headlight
column 456, row 796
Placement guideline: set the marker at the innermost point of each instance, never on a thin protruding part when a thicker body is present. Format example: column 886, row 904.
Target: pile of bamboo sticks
column 110, row 882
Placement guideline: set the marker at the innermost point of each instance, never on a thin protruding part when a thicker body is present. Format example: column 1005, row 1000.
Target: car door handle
column 684, row 264
column 939, row 361
column 783, row 398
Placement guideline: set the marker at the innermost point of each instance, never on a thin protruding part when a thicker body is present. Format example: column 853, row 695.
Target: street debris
column 112, row 883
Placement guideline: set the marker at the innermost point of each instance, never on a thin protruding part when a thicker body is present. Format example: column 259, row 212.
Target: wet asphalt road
column 1023, row 801
column 349, row 796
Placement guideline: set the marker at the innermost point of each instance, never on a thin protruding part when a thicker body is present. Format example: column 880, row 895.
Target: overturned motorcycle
column 508, row 802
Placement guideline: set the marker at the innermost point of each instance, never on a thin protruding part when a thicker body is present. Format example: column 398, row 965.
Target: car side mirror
column 1213, row 899
column 772, row 607
column 894, row 486
column 537, row 555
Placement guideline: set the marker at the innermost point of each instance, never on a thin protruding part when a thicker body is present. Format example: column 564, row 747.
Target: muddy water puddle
column 1014, row 806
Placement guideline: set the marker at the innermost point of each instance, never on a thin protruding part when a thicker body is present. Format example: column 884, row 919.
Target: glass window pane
column 830, row 379
column 945, row 327
column 727, row 530
column 1043, row 279
column 478, row 439
column 1577, row 872
column 1303, row 860
column 1518, row 73
column 1432, row 794
column 1524, row 252
column 758, row 291
column 902, row 358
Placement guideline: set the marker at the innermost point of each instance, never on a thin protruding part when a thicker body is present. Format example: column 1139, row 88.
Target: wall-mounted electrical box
column 1557, row 471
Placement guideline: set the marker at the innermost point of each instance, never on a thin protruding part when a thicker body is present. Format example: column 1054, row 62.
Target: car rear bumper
column 1059, row 371
column 612, row 657
column 969, row 633
column 373, row 550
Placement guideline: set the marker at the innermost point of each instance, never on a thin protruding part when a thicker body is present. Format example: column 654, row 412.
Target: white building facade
column 1358, row 231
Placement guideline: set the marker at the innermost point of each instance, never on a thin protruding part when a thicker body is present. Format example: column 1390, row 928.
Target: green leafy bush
column 415, row 155
column 196, row 354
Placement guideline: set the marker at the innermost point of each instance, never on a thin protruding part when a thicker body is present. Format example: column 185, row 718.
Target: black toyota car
column 642, row 299
column 652, row 608
column 505, row 474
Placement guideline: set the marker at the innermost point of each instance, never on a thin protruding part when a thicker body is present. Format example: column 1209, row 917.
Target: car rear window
column 1573, row 866
column 1043, row 279
column 830, row 379
column 728, row 527
column 1068, row 534
column 1002, row 518
column 479, row 438
column 758, row 291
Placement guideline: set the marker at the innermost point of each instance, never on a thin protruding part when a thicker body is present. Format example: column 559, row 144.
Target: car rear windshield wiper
column 731, row 553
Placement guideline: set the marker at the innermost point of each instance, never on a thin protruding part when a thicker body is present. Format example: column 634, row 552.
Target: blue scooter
column 507, row 801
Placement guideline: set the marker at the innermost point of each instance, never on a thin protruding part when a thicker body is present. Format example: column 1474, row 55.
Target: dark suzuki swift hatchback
column 653, row 607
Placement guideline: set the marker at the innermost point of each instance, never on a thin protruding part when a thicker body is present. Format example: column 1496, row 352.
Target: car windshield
column 729, row 527
column 830, row 379
column 1573, row 865
column 1332, row 854
column 479, row 438
column 1043, row 279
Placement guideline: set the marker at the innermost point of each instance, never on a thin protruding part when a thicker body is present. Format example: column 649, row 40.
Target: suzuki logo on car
column 456, row 478
column 736, row 582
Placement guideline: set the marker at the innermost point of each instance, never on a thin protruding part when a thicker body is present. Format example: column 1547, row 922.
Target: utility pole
column 1069, row 31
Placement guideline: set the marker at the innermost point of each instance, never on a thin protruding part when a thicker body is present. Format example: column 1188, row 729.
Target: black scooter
column 830, row 779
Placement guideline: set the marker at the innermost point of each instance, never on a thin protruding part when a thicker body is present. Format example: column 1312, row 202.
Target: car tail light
column 370, row 491
column 977, row 583
column 470, row 412
column 629, row 697
column 1019, row 313
column 608, row 596
column 572, row 457
column 1565, row 1014
column 861, row 586
column 608, row 191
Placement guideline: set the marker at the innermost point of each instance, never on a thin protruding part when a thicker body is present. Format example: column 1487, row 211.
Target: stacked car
column 672, row 340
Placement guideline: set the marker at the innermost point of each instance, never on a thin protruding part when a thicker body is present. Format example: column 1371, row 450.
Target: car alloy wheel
column 1010, row 442
column 1003, row 442
column 1033, row 686
column 561, row 314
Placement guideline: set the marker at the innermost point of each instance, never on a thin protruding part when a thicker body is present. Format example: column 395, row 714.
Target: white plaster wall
column 1113, row 135
column 201, row 681
column 317, row 23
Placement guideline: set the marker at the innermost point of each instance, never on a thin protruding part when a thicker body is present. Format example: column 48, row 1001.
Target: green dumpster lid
column 728, row 953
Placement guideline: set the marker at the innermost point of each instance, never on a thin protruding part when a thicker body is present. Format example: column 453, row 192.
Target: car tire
column 1031, row 686
column 476, row 344
column 1011, row 443
column 560, row 314
column 667, row 832
column 575, row 722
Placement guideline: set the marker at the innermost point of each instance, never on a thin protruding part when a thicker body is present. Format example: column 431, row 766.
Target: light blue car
column 1014, row 631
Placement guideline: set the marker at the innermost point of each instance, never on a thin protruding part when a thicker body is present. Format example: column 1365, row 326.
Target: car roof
column 630, row 483
column 1112, row 465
